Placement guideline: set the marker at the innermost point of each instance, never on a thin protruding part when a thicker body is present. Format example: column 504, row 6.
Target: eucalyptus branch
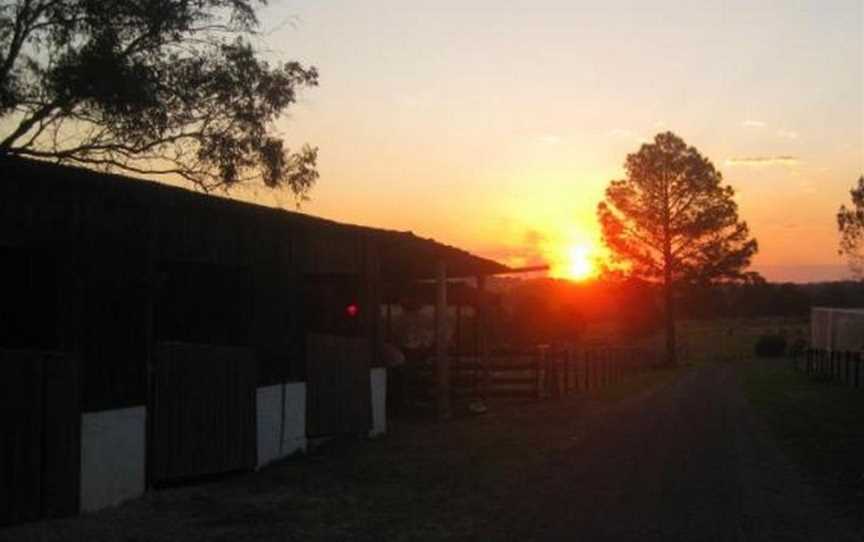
column 115, row 86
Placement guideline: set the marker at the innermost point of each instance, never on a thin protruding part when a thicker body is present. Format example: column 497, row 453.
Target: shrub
column 770, row 346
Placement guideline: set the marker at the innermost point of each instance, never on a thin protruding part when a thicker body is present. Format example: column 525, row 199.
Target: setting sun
column 580, row 264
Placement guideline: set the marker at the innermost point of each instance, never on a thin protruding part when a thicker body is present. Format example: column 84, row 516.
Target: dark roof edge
column 486, row 265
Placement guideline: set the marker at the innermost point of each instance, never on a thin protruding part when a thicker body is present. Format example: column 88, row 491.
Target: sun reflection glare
column 580, row 262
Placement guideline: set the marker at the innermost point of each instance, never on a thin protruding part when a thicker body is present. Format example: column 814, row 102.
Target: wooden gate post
column 539, row 370
column 847, row 357
column 857, row 362
column 442, row 364
column 481, row 316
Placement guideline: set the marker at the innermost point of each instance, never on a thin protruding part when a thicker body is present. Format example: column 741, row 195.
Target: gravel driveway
column 684, row 461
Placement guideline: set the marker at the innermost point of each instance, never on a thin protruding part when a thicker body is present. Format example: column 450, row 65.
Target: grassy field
column 706, row 341
column 819, row 425
column 710, row 341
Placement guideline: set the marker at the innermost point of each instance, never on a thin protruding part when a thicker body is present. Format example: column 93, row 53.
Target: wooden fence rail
column 538, row 374
column 834, row 366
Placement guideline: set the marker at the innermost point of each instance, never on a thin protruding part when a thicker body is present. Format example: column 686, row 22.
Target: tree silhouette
column 850, row 222
column 672, row 221
column 151, row 87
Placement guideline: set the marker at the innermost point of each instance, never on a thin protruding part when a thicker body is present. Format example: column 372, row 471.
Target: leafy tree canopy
column 672, row 219
column 850, row 222
column 169, row 87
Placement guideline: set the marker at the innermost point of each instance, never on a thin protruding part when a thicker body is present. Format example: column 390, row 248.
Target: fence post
column 835, row 365
column 826, row 363
column 554, row 373
column 605, row 371
column 539, row 363
column 568, row 358
column 442, row 362
column 601, row 368
column 847, row 358
column 845, row 367
column 610, row 376
column 596, row 369
column 629, row 358
column 584, row 372
column 857, row 369
column 610, row 359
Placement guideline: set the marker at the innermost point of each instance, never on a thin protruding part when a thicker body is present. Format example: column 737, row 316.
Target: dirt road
column 686, row 460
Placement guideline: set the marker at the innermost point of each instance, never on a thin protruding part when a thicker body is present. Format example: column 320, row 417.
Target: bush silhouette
column 770, row 346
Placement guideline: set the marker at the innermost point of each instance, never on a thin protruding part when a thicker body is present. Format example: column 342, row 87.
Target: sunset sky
column 496, row 126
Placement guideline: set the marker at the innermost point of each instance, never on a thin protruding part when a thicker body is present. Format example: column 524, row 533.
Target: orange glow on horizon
column 580, row 267
column 578, row 263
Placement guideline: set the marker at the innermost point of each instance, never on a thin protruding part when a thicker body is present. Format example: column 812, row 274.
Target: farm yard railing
column 563, row 371
column 826, row 365
column 535, row 374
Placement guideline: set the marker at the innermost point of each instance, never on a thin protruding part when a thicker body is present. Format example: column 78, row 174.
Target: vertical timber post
column 857, row 369
column 442, row 363
column 389, row 322
column 152, row 392
column 481, row 316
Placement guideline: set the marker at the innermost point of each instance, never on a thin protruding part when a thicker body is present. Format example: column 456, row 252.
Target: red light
column 352, row 310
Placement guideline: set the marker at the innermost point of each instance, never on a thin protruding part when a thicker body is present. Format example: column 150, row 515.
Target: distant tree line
column 548, row 310
column 769, row 299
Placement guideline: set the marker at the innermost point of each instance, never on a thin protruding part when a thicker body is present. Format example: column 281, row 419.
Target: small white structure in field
column 837, row 329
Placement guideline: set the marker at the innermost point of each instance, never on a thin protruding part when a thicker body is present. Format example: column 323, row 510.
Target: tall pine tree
column 671, row 221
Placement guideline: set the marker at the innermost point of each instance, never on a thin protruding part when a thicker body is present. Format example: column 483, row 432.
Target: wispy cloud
column 787, row 134
column 531, row 251
column 782, row 160
column 750, row 123
column 620, row 132
column 629, row 135
column 550, row 139
column 807, row 187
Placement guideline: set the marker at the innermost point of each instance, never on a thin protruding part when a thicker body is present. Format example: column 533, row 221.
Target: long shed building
column 150, row 334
